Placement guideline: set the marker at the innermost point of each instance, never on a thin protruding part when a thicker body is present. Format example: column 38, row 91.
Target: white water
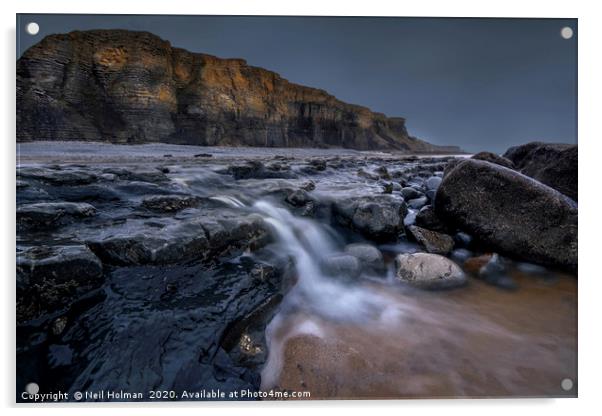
column 308, row 243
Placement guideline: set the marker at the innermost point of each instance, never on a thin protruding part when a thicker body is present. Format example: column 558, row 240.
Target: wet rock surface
column 51, row 214
column 50, row 277
column 493, row 158
column 379, row 218
column 432, row 241
column 429, row 271
column 512, row 213
column 169, row 203
column 550, row 163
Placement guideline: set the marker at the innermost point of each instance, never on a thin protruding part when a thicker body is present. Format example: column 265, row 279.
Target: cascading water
column 308, row 243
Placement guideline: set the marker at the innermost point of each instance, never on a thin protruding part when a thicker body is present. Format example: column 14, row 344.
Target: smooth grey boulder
column 418, row 203
column 429, row 271
column 432, row 183
column 410, row 193
column 369, row 256
column 342, row 265
column 378, row 217
column 510, row 212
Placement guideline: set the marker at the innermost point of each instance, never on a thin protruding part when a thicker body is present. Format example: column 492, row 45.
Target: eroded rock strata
column 133, row 87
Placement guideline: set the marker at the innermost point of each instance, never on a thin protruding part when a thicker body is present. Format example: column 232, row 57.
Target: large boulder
column 493, row 158
column 429, row 271
column 510, row 212
column 377, row 217
column 553, row 164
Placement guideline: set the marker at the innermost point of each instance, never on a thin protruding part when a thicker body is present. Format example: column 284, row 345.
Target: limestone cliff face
column 133, row 87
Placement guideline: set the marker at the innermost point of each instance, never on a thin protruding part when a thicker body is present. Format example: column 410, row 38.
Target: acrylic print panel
column 262, row 208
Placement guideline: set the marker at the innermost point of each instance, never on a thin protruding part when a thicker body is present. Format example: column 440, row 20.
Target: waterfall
column 308, row 243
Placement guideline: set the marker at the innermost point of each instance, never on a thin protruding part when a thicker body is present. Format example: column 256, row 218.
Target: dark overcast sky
column 482, row 84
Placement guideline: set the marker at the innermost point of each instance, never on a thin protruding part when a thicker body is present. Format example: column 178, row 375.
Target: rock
column 203, row 155
column 199, row 239
column 460, row 255
column 363, row 174
column 433, row 183
column 462, row 239
column 151, row 176
column 383, row 173
column 343, row 265
column 308, row 186
column 377, row 217
column 427, row 218
column 472, row 265
column 495, row 272
column 418, row 203
column 410, row 217
column 96, row 86
column 429, row 271
column 252, row 169
column 256, row 170
column 550, row 163
column 52, row 214
column 369, row 256
column 512, row 213
column 451, row 165
column 410, row 193
column 57, row 177
column 432, row 241
column 50, row 277
column 387, row 188
column 318, row 164
column 298, row 198
column 169, row 203
column 493, row 158
column 84, row 193
column 492, row 269
column 263, row 272
column 59, row 325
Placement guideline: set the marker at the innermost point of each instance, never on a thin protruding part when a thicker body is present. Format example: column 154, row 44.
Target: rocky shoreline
column 165, row 274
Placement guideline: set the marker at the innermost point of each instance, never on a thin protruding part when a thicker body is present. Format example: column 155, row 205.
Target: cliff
column 132, row 87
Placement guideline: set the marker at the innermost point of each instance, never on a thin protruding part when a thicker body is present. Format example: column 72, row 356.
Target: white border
column 590, row 293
